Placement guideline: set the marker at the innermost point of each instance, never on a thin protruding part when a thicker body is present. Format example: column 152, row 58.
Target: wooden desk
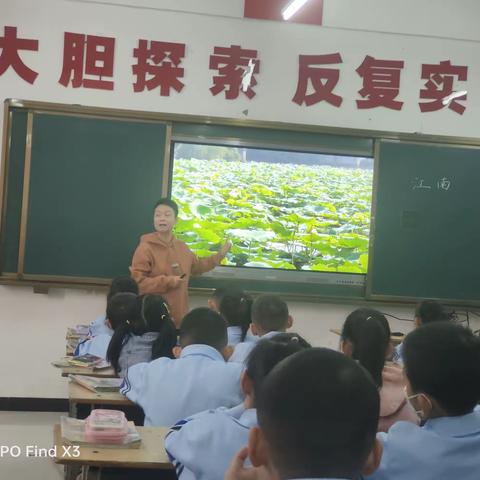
column 78, row 394
column 396, row 339
column 104, row 372
column 151, row 454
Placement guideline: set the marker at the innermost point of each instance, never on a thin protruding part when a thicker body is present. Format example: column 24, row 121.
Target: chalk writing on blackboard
column 444, row 184
column 421, row 184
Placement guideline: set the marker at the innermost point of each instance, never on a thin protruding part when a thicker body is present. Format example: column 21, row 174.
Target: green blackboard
column 427, row 223
column 93, row 183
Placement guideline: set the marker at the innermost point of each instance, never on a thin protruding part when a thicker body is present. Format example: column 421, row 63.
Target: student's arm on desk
column 142, row 265
column 134, row 384
column 189, row 443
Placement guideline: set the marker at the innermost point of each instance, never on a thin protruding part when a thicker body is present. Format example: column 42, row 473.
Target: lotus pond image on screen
column 281, row 210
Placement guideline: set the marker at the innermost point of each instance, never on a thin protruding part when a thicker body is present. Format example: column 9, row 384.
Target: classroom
column 330, row 159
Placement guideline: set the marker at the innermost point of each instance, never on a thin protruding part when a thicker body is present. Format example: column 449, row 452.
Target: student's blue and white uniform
column 234, row 335
column 98, row 327
column 169, row 390
column 444, row 448
column 136, row 349
column 398, row 354
column 242, row 350
column 202, row 446
column 95, row 346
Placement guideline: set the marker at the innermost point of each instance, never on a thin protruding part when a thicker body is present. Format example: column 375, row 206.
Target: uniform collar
column 269, row 335
column 461, row 426
column 202, row 351
column 249, row 418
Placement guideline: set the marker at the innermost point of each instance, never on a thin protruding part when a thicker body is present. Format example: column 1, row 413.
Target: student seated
column 270, row 316
column 148, row 335
column 202, row 446
column 235, row 307
column 122, row 284
column 120, row 309
column 365, row 337
column 197, row 380
column 442, row 365
column 427, row 311
column 317, row 418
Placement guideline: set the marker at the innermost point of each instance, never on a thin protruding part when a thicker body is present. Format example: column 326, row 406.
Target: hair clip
column 127, row 322
column 163, row 317
column 294, row 339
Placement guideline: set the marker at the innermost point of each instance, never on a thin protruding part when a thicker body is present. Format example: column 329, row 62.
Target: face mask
column 420, row 413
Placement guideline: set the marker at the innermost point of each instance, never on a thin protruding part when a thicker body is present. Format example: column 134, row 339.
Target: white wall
column 436, row 18
column 33, row 326
column 278, row 46
column 445, row 19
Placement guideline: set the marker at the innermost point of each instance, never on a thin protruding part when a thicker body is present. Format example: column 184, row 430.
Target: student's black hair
column 268, row 352
column 318, row 410
column 235, row 307
column 442, row 359
column 429, row 311
column 120, row 308
column 169, row 203
column 369, row 333
column 203, row 326
column 122, row 284
column 150, row 314
column 270, row 313
column 217, row 295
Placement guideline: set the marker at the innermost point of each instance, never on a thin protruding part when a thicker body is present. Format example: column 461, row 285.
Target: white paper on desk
column 73, row 431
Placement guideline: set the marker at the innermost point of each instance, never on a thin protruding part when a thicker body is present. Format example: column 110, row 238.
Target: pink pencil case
column 106, row 426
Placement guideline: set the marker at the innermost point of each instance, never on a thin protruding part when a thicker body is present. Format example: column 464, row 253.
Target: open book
column 96, row 384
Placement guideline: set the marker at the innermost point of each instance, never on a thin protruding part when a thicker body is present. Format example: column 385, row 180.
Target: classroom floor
column 28, row 428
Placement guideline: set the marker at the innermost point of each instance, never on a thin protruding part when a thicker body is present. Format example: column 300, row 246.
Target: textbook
column 98, row 385
column 74, row 336
column 88, row 360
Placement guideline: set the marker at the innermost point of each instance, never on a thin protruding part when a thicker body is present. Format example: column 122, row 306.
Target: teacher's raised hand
column 225, row 248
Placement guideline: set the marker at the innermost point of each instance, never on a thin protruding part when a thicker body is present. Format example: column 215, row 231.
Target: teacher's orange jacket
column 156, row 266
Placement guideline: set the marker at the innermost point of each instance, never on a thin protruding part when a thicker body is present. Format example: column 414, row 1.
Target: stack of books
column 74, row 336
column 87, row 361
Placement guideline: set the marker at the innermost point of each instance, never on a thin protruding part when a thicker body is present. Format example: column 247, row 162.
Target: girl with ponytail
column 365, row 337
column 235, row 307
column 142, row 333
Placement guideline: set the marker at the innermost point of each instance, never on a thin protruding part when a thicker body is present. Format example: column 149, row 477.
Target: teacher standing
column 163, row 264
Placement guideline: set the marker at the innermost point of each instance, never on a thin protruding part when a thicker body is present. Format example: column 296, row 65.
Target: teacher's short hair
column 169, row 203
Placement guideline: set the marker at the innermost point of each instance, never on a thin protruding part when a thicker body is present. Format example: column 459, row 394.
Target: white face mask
column 420, row 413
